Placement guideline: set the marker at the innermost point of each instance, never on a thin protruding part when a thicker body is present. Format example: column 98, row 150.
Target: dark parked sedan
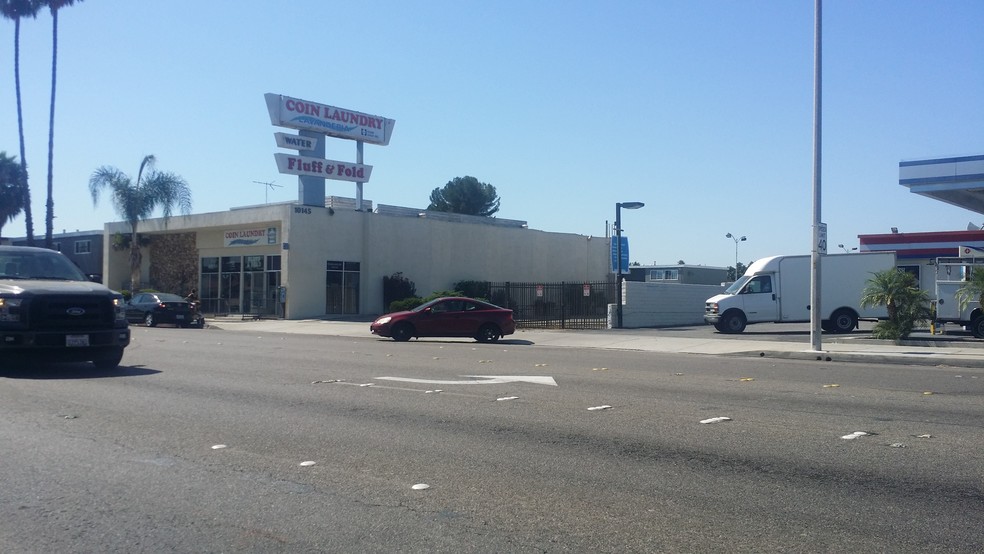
column 448, row 317
column 151, row 308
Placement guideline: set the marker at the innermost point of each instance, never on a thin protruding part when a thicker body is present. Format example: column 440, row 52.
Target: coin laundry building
column 299, row 261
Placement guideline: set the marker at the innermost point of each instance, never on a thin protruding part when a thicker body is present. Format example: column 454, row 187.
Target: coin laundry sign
column 328, row 169
column 250, row 237
column 330, row 120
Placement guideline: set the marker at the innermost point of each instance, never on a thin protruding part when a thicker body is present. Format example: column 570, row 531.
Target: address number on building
column 300, row 210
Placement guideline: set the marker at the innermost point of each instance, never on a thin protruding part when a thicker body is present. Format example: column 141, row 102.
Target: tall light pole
column 618, row 253
column 737, row 239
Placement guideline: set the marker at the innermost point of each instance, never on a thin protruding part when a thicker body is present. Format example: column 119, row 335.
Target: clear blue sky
column 701, row 109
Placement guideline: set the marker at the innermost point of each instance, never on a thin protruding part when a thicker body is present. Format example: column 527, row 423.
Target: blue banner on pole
column 624, row 266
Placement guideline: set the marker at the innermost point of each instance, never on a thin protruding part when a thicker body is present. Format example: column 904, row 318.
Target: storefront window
column 342, row 287
column 208, row 291
column 240, row 284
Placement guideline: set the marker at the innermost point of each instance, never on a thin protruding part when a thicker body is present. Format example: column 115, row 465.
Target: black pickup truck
column 50, row 311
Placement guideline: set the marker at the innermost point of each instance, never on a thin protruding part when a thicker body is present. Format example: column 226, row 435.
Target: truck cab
column 753, row 298
column 50, row 311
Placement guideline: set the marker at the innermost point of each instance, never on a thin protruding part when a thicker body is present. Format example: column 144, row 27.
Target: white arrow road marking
column 482, row 380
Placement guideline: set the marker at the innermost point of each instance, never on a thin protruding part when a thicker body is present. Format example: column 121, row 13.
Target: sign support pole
column 815, row 254
column 358, row 186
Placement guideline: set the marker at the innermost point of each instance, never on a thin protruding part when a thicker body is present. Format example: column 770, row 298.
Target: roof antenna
column 266, row 193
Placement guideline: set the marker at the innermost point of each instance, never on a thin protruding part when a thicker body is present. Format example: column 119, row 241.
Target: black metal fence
column 556, row 305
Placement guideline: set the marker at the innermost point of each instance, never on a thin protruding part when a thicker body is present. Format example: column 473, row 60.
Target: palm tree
column 11, row 192
column 136, row 200
column 54, row 6
column 972, row 289
column 16, row 10
column 906, row 304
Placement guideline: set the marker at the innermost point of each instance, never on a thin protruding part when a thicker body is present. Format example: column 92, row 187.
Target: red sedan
column 448, row 317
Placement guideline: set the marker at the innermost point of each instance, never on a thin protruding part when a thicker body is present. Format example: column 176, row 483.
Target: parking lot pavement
column 791, row 341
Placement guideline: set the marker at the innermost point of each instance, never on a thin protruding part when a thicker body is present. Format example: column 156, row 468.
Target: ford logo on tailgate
column 75, row 311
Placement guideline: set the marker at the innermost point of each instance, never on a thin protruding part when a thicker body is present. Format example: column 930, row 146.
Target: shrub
column 474, row 289
column 413, row 302
column 396, row 287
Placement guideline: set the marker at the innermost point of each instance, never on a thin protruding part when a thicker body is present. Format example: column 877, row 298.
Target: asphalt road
column 129, row 461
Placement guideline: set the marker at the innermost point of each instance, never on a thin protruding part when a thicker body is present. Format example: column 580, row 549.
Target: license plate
column 179, row 316
column 76, row 340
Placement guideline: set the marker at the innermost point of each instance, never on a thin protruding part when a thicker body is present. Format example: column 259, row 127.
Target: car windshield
column 168, row 297
column 736, row 286
column 38, row 264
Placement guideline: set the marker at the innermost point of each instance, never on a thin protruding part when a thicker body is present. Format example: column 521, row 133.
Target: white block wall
column 664, row 304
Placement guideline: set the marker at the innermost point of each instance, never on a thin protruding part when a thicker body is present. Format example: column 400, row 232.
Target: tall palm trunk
column 49, row 220
column 28, row 219
column 135, row 259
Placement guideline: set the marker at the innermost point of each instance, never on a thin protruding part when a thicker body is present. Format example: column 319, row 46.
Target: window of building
column 342, row 287
column 664, row 275
column 83, row 247
column 240, row 284
column 912, row 269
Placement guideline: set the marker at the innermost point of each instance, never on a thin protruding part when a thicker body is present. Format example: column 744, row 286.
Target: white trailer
column 951, row 275
column 777, row 289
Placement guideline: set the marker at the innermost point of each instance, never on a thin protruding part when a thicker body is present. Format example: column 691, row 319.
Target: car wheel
column 732, row 322
column 109, row 361
column 843, row 321
column 488, row 333
column 402, row 332
column 149, row 320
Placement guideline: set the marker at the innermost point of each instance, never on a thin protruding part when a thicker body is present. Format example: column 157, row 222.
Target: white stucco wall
column 432, row 253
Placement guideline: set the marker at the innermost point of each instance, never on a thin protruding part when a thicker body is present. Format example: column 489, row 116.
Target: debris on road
column 719, row 419
column 857, row 434
column 602, row 407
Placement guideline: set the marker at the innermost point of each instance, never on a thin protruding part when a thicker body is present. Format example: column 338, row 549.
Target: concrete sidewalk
column 853, row 349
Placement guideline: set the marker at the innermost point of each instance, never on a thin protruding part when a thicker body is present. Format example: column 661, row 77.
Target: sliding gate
column 556, row 305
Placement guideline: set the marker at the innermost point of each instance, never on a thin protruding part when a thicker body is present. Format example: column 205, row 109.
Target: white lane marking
column 481, row 380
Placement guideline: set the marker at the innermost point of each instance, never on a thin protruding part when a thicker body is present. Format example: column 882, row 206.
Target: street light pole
column 737, row 239
column 618, row 254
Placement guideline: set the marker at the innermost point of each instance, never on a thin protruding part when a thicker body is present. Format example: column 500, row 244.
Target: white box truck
column 951, row 275
column 777, row 289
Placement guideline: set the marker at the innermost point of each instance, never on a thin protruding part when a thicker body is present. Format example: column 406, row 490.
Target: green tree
column 734, row 274
column 465, row 195
column 905, row 303
column 135, row 201
column 972, row 289
column 49, row 220
column 17, row 10
column 11, row 189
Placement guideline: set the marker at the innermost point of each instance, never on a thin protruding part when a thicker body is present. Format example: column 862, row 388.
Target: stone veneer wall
column 174, row 263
